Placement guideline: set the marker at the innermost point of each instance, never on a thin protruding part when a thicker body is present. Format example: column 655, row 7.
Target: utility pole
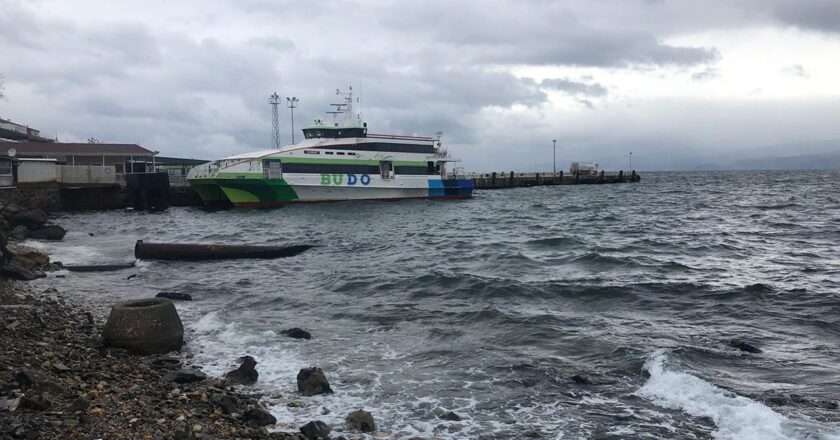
column 631, row 162
column 274, row 100
column 292, row 103
column 555, row 157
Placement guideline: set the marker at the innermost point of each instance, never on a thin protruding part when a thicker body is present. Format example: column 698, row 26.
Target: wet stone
column 451, row 416
column 259, row 417
column 361, row 421
column 246, row 374
column 296, row 333
column 316, row 430
column 184, row 375
column 312, row 381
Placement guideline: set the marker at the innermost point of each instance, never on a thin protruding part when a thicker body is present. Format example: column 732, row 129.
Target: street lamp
column 292, row 103
column 554, row 141
column 631, row 162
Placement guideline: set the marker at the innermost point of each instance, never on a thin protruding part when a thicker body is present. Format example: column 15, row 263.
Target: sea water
column 488, row 307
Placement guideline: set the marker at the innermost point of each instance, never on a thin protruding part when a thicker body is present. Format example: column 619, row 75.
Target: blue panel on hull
column 436, row 188
column 451, row 188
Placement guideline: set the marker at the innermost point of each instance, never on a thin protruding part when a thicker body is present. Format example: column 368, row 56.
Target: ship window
column 328, row 152
column 272, row 169
column 386, row 169
column 340, row 153
column 430, row 167
column 311, row 152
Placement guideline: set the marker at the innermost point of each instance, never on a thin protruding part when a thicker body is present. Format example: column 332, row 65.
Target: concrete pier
column 514, row 179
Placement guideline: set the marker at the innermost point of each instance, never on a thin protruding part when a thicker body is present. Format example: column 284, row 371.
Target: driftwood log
column 97, row 267
column 197, row 252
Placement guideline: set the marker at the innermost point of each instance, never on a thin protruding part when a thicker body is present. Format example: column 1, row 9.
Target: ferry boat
column 334, row 162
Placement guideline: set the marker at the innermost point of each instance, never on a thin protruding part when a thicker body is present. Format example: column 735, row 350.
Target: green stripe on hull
column 257, row 190
column 208, row 190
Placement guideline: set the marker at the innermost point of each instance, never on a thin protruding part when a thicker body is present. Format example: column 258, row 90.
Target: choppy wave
column 735, row 417
column 529, row 312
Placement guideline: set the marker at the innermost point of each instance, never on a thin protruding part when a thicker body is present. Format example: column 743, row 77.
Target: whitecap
column 736, row 417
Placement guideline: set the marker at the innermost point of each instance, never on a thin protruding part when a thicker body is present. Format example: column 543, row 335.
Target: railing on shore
column 513, row 179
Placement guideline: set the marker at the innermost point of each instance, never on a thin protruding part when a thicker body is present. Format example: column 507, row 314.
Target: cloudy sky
column 674, row 81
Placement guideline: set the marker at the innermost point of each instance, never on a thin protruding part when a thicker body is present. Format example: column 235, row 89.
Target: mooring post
column 493, row 179
column 621, row 175
column 511, row 178
column 561, row 178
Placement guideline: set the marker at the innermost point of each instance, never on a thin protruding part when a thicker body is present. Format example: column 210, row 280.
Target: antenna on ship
column 274, row 100
column 347, row 107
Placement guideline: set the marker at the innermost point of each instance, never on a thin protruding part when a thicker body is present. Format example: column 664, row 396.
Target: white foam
column 736, row 417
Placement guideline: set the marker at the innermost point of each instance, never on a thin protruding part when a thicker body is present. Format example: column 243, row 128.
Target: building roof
column 68, row 149
column 176, row 161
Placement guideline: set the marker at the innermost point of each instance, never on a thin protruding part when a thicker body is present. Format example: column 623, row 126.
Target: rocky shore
column 59, row 379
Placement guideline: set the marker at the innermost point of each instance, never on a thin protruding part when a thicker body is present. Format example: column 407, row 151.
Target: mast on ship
column 346, row 108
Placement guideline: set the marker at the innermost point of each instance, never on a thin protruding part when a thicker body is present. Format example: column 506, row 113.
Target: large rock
column 27, row 256
column 316, row 430
column 19, row 233
column 146, row 326
column 32, row 219
column 296, row 333
column 246, row 374
column 14, row 269
column 259, row 417
column 10, row 210
column 229, row 404
column 361, row 421
column 312, row 381
column 48, row 232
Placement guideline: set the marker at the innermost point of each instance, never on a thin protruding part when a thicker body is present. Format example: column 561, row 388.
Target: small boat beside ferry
column 334, row 162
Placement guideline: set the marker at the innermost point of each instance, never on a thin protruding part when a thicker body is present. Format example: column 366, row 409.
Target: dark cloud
column 820, row 15
column 539, row 33
column 575, row 87
column 192, row 78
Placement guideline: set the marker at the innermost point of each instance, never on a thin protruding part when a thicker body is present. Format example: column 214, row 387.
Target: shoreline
column 57, row 379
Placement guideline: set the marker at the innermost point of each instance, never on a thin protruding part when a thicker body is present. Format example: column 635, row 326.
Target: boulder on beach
column 15, row 269
column 32, row 219
column 312, row 381
column 316, row 430
column 10, row 210
column 296, row 333
column 259, row 417
column 361, row 421
column 19, row 233
column 228, row 404
column 246, row 374
column 48, row 232
column 28, row 256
